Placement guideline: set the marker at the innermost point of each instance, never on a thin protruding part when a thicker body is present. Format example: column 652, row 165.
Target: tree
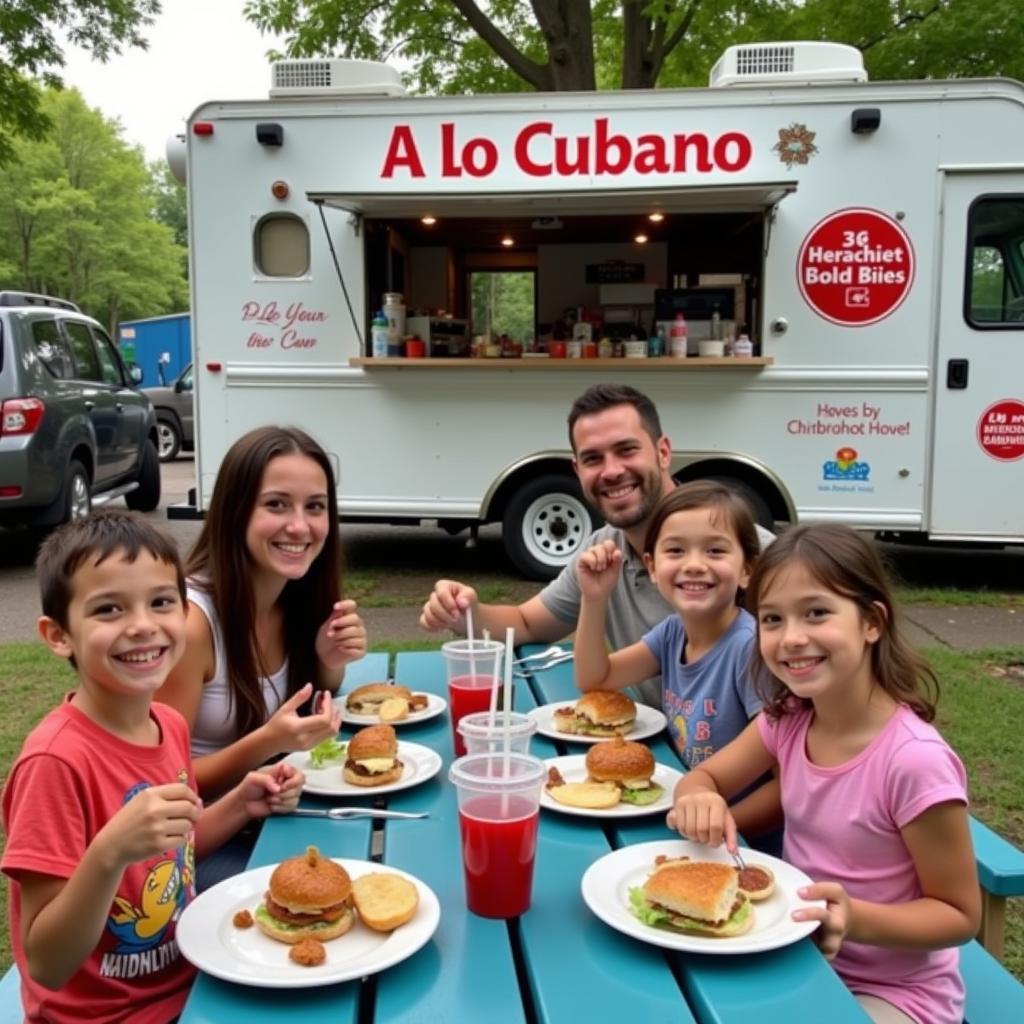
column 466, row 46
column 76, row 218
column 29, row 49
column 170, row 204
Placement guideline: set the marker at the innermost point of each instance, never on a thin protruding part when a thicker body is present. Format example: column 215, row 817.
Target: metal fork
column 551, row 652
column 344, row 813
column 529, row 670
column 739, row 860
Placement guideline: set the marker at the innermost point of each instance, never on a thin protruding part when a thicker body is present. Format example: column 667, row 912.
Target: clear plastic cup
column 472, row 670
column 481, row 736
column 499, row 808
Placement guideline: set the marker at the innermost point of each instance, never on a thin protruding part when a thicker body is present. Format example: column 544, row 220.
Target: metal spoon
column 344, row 813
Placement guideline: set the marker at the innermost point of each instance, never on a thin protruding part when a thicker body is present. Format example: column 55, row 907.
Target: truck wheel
column 758, row 506
column 169, row 438
column 146, row 496
column 545, row 523
column 77, row 499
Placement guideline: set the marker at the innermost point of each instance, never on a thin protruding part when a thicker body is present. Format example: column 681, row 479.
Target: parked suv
column 173, row 407
column 74, row 431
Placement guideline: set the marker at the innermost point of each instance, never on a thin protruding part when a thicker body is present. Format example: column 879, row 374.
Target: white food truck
column 869, row 237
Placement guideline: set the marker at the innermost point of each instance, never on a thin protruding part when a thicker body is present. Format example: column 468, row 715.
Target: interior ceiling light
column 507, row 241
column 657, row 218
column 640, row 239
column 428, row 220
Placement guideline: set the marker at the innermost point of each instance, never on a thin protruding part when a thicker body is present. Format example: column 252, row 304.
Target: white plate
column 208, row 938
column 435, row 705
column 574, row 769
column 607, row 882
column 649, row 722
column 420, row 763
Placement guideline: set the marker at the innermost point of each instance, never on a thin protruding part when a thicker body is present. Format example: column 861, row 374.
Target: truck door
column 977, row 468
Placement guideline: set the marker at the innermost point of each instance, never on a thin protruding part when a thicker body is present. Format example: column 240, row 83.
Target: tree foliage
column 471, row 46
column 78, row 218
column 29, row 50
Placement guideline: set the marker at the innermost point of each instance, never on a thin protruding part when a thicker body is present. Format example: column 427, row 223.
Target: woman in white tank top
column 266, row 632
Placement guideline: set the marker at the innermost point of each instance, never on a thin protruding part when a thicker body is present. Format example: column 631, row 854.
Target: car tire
column 146, row 496
column 545, row 524
column 168, row 438
column 77, row 500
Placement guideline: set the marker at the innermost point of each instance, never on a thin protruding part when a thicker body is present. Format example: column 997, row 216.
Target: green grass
column 980, row 712
column 952, row 596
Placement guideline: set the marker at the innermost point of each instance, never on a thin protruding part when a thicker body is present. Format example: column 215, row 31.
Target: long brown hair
column 848, row 564
column 221, row 564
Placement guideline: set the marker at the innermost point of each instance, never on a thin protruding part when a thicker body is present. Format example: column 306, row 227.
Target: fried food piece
column 419, row 702
column 243, row 919
column 554, row 778
column 308, row 953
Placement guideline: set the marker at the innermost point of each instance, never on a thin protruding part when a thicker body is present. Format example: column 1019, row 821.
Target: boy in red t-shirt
column 102, row 818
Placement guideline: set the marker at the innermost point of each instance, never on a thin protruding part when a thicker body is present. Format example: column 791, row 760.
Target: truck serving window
column 281, row 245
column 994, row 293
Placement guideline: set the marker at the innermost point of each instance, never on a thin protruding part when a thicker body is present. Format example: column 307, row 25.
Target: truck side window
column 51, row 348
column 87, row 366
column 281, row 245
column 995, row 268
column 109, row 364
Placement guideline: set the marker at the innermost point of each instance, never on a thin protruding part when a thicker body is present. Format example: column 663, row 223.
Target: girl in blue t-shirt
column 700, row 548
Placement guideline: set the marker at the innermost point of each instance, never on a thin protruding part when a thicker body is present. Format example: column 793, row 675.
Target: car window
column 51, row 348
column 109, row 363
column 186, row 380
column 87, row 366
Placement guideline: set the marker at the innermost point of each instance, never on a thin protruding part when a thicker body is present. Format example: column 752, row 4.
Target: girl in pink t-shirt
column 874, row 799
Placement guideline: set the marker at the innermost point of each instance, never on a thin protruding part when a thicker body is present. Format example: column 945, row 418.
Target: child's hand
column 274, row 789
column 446, row 606
column 156, row 819
column 705, row 818
column 291, row 731
column 598, row 570
column 834, row 916
column 342, row 638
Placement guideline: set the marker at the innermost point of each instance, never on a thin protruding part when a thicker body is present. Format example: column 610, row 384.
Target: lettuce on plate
column 327, row 752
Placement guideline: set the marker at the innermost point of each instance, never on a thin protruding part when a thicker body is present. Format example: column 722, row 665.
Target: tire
column 758, row 506
column 545, row 523
column 146, row 496
column 168, row 438
column 77, row 499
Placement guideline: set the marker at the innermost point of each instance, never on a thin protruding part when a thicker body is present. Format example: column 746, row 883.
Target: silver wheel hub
column 555, row 527
column 80, row 504
column 166, row 437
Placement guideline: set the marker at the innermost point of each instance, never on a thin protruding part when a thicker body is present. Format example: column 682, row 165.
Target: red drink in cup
column 473, row 667
column 498, row 854
column 467, row 694
column 499, row 808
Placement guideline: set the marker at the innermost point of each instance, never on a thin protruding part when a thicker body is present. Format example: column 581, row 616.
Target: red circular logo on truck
column 1001, row 430
column 855, row 267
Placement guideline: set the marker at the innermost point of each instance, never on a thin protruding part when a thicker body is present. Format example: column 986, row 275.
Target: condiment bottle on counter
column 379, row 335
column 716, row 325
column 678, row 336
column 743, row 347
column 604, row 348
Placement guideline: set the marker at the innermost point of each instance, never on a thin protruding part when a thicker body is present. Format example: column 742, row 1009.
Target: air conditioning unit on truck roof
column 320, row 78
column 796, row 63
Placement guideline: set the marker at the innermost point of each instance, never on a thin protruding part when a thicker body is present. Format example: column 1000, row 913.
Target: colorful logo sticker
column 795, row 145
column 1001, row 430
column 845, row 466
column 855, row 267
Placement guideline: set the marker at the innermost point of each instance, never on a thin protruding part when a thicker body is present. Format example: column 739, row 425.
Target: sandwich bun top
column 619, row 760
column 705, row 890
column 606, row 707
column 373, row 741
column 377, row 692
column 309, row 883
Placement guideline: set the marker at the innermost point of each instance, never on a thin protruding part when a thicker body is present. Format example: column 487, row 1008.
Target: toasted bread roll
column 385, row 901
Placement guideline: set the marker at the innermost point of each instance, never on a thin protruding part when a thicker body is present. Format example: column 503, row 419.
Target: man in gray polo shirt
column 622, row 461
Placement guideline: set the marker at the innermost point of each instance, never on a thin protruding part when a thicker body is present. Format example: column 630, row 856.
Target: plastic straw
column 492, row 719
column 506, row 740
column 469, row 638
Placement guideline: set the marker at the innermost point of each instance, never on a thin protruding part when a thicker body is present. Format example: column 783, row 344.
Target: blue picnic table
column 557, row 964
